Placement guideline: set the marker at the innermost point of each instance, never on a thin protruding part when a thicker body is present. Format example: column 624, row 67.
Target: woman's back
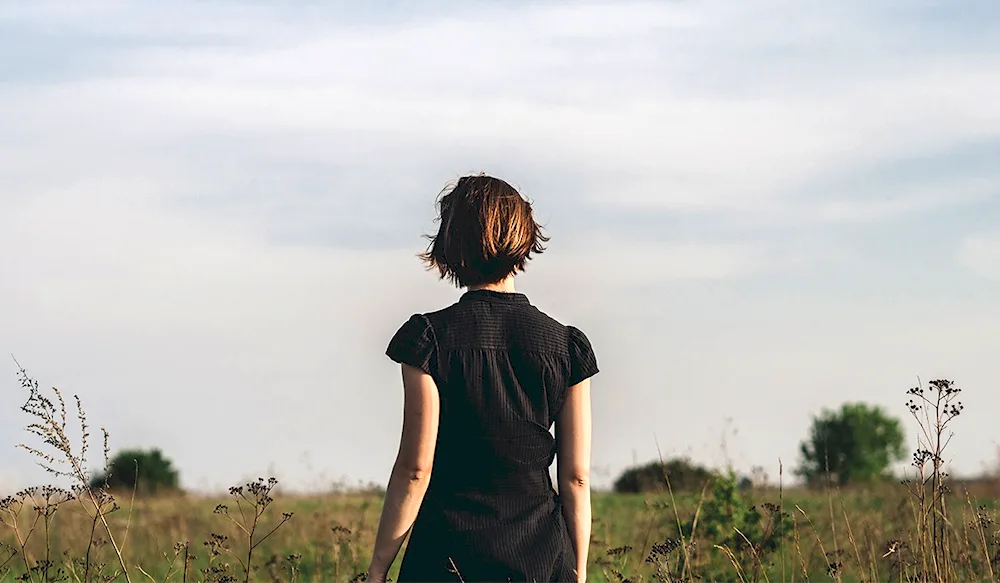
column 503, row 369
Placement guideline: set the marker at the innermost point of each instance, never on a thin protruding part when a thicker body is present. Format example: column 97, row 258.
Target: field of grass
column 927, row 527
column 854, row 535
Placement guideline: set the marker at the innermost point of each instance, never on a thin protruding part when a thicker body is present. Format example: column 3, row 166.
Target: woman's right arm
column 573, row 428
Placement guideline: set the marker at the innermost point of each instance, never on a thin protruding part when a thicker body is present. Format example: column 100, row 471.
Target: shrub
column 684, row 475
column 148, row 472
column 750, row 534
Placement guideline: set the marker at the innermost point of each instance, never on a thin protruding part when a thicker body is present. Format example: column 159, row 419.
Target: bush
column 684, row 475
column 749, row 533
column 148, row 472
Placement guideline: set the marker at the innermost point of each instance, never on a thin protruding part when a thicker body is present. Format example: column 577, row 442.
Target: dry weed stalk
column 934, row 409
column 252, row 500
column 51, row 425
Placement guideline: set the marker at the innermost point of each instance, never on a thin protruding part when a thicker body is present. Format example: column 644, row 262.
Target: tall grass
column 927, row 527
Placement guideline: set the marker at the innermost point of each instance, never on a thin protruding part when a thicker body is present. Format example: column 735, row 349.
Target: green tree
column 684, row 475
column 856, row 444
column 148, row 472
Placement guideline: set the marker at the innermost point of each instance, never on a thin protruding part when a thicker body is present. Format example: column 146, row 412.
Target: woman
column 484, row 380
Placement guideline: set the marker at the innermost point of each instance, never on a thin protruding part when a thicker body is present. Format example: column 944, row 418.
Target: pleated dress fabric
column 503, row 369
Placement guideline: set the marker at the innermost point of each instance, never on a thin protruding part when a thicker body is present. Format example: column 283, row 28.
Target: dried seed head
column 618, row 551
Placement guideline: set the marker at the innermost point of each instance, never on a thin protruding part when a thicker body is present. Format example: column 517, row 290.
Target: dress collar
column 489, row 295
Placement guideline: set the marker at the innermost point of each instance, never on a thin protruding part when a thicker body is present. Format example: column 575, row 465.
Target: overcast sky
column 209, row 215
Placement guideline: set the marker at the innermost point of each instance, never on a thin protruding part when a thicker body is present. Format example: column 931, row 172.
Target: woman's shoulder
column 577, row 338
column 583, row 359
column 573, row 337
column 413, row 343
column 417, row 324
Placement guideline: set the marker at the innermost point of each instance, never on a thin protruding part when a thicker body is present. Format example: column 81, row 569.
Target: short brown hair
column 486, row 232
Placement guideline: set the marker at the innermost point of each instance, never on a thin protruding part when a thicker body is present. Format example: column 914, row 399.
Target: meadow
column 926, row 527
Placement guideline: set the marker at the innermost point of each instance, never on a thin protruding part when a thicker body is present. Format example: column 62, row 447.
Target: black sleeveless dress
column 502, row 368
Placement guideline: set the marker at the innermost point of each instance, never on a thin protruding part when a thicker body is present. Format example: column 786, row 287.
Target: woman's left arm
column 412, row 471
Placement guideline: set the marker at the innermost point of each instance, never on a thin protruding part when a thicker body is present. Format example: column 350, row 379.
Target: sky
column 210, row 213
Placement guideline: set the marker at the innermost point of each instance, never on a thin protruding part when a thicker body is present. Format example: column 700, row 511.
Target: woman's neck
column 505, row 285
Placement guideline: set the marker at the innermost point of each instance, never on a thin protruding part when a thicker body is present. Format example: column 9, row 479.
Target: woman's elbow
column 414, row 473
column 576, row 479
column 419, row 475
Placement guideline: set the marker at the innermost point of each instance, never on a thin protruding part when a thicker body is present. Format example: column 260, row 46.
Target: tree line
column 856, row 444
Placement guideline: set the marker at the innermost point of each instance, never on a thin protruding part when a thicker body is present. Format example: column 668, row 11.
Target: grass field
column 833, row 535
column 927, row 527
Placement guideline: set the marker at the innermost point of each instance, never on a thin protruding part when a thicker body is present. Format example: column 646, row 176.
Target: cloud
column 623, row 265
column 613, row 94
column 981, row 255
